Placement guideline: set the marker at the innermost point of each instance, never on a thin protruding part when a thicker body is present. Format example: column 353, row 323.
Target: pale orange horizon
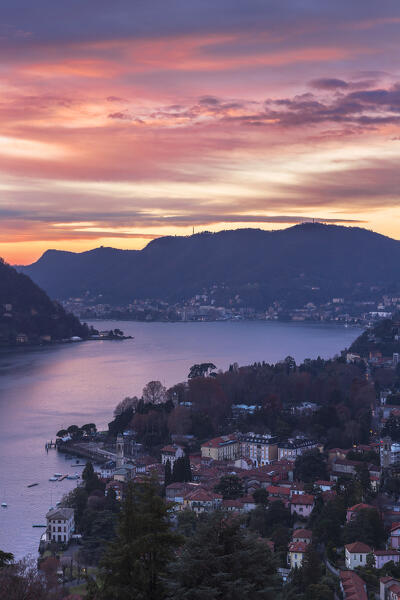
column 139, row 120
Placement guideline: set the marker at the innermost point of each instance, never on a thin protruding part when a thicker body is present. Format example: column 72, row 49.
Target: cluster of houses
column 261, row 461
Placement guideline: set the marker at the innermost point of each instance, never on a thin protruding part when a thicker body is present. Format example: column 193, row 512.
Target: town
column 308, row 460
column 220, row 304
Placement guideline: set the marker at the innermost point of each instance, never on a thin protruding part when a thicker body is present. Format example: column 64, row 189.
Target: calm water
column 43, row 391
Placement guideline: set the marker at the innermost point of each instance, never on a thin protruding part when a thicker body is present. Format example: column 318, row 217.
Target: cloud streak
column 145, row 118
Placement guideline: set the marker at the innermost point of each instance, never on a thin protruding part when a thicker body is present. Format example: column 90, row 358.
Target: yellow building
column 226, row 447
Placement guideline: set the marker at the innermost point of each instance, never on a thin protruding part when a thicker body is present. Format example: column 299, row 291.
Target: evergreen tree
column 188, row 468
column 182, row 470
column 221, row 560
column 366, row 527
column 91, row 479
column 167, row 473
column 364, row 479
column 135, row 562
column 230, row 486
column 88, row 472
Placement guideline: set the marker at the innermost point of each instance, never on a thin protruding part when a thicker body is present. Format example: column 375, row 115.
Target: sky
column 127, row 120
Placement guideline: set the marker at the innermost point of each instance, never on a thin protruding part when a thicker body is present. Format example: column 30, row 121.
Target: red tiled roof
column 358, row 547
column 219, row 441
column 353, row 586
column 360, row 506
column 305, row 499
column 168, row 450
column 247, row 500
column 395, row 526
column 297, row 547
column 202, row 495
column 386, row 553
column 302, row 533
column 276, row 489
column 232, row 504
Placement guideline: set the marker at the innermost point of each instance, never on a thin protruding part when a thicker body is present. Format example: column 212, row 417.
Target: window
column 360, row 557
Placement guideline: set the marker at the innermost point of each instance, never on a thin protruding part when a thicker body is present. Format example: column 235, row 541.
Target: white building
column 291, row 449
column 389, row 452
column 356, row 554
column 296, row 554
column 171, row 453
column 60, row 525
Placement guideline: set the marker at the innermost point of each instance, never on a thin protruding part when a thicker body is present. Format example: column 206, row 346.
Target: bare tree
column 23, row 581
column 154, row 392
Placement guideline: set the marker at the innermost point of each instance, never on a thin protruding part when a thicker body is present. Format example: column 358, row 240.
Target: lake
column 44, row 390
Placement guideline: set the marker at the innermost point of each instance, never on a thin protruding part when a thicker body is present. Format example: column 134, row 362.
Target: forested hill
column 308, row 262
column 27, row 315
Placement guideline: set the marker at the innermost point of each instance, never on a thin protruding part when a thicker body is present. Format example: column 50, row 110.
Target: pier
column 49, row 445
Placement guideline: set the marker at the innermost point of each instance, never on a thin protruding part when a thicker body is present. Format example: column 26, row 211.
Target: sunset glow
column 125, row 121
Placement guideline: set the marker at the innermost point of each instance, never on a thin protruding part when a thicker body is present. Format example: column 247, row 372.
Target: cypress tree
column 221, row 560
column 167, row 473
column 135, row 563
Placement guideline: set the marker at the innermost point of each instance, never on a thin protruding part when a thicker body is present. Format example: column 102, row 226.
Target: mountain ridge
column 279, row 264
column 28, row 316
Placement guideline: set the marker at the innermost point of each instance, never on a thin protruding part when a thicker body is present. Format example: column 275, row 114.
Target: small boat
column 39, row 525
column 76, row 476
column 53, row 479
column 32, row 485
column 63, row 477
column 57, row 474
column 4, row 504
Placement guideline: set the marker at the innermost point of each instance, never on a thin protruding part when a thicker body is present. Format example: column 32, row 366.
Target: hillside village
column 312, row 500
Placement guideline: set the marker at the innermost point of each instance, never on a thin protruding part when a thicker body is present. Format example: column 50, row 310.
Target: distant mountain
column 308, row 262
column 27, row 315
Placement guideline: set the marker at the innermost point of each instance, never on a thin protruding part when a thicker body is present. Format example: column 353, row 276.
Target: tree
column 154, row 393
column 23, row 581
column 135, row 563
column 88, row 472
column 327, row 524
column 310, row 466
column 367, row 527
column 364, row 478
column 91, row 479
column 311, row 566
column 90, row 428
column 73, row 430
column 167, row 473
column 182, row 470
column 201, row 370
column 5, row 558
column 125, row 404
column 221, row 560
column 261, row 496
column 62, row 433
column 263, row 520
column 230, row 486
